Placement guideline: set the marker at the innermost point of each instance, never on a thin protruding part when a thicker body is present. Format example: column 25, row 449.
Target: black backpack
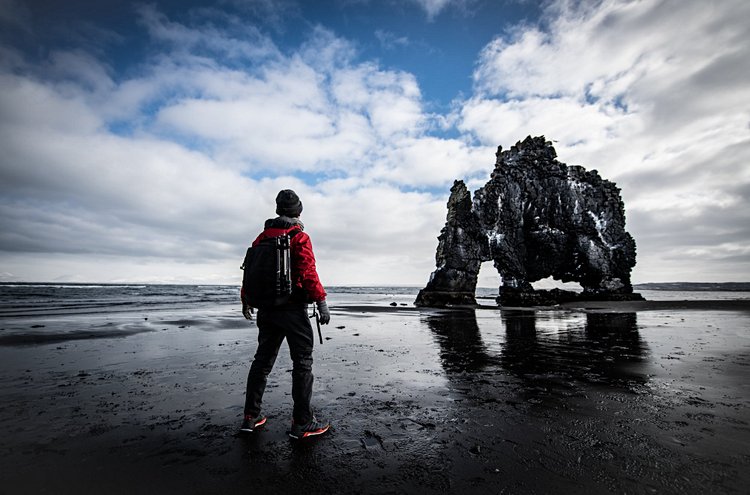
column 267, row 277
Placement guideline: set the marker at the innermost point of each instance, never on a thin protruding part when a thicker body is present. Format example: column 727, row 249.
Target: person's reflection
column 461, row 345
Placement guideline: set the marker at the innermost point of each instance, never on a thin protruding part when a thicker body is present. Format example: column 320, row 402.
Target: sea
column 18, row 300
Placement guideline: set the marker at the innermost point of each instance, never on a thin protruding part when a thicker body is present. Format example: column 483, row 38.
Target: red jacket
column 304, row 274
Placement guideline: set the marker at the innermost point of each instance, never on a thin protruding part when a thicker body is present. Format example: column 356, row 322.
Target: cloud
column 70, row 186
column 390, row 41
column 318, row 101
column 432, row 162
column 327, row 120
column 576, row 125
column 652, row 94
column 169, row 172
column 165, row 172
column 235, row 41
column 432, row 7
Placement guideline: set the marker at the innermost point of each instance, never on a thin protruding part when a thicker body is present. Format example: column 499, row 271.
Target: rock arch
column 535, row 218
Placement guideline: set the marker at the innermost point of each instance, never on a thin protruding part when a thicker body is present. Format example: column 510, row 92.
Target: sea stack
column 535, row 218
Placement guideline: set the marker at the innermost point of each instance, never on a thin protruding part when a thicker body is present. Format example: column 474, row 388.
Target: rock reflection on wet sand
column 590, row 347
column 422, row 401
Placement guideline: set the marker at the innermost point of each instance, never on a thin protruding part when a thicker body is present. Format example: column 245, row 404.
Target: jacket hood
column 283, row 222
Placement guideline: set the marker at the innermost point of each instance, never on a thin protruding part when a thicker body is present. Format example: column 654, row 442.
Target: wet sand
column 599, row 398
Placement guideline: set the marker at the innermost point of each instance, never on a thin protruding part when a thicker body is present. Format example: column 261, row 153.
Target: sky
column 145, row 142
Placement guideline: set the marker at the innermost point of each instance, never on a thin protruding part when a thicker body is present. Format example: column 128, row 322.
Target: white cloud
column 432, row 7
column 432, row 162
column 390, row 100
column 653, row 94
column 573, row 125
column 82, row 72
column 390, row 41
column 374, row 234
column 317, row 102
column 235, row 42
column 206, row 147
column 167, row 172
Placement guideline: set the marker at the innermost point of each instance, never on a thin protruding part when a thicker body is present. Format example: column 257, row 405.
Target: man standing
column 290, row 321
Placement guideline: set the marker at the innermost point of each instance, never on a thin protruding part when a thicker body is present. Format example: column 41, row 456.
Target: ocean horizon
column 26, row 302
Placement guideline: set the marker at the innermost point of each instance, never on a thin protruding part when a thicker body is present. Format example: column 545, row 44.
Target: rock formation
column 535, row 218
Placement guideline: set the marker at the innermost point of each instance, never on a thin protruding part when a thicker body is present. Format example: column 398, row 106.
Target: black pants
column 275, row 324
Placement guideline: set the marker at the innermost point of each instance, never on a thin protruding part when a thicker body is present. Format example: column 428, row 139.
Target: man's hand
column 247, row 311
column 325, row 315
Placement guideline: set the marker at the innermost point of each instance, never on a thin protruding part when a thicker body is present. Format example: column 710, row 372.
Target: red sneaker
column 250, row 423
column 311, row 429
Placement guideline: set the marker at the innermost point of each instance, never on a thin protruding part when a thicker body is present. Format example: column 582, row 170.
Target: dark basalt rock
column 535, row 218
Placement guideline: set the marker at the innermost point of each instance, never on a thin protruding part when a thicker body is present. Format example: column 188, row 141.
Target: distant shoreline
column 664, row 286
column 695, row 286
column 576, row 307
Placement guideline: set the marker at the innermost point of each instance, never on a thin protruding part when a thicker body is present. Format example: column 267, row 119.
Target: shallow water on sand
column 421, row 401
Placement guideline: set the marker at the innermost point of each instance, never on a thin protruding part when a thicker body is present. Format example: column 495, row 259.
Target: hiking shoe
column 250, row 423
column 311, row 429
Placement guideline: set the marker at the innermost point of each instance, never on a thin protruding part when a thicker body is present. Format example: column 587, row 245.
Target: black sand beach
column 647, row 397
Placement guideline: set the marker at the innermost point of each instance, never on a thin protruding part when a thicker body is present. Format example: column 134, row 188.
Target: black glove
column 247, row 311
column 325, row 315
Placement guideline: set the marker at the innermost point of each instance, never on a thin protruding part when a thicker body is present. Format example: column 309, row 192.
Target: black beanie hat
column 288, row 204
